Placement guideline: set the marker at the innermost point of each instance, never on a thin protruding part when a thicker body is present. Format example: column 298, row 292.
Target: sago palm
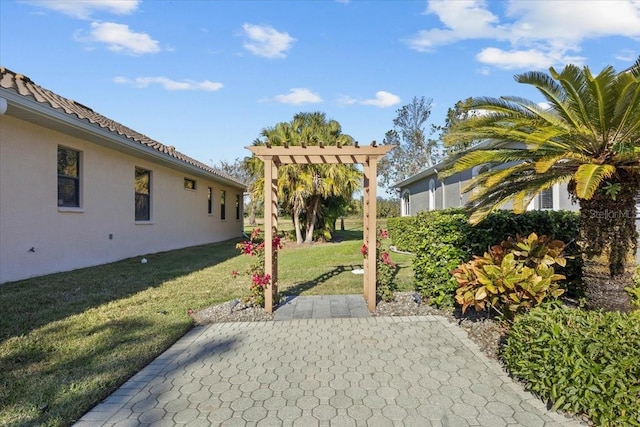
column 587, row 136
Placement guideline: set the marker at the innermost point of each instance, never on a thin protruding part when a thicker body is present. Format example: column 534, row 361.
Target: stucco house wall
column 38, row 237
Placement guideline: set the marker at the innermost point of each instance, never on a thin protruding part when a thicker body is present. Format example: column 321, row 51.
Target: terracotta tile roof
column 24, row 86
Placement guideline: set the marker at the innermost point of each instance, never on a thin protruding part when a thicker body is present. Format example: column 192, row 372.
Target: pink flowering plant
column 386, row 269
column 259, row 280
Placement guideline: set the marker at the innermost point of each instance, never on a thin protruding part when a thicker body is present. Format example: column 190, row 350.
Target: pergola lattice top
column 346, row 154
column 274, row 156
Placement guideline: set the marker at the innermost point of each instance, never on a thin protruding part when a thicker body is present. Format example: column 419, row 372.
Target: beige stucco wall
column 66, row 239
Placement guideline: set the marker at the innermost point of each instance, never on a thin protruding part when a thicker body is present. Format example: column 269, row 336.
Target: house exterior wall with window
column 426, row 191
column 66, row 238
column 41, row 232
column 449, row 193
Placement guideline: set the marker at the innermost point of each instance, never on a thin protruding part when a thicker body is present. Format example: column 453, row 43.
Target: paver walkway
column 322, row 307
column 370, row 371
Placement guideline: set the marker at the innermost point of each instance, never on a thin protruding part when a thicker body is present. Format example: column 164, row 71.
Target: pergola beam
column 275, row 156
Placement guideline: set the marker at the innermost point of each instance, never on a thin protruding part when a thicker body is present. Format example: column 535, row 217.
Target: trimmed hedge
column 442, row 237
column 584, row 362
column 402, row 233
column 442, row 240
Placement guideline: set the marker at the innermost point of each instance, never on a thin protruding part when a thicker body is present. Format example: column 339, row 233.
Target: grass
column 68, row 340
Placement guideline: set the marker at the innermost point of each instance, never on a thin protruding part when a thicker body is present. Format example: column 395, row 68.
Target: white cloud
column 346, row 100
column 168, row 84
column 514, row 59
column 463, row 20
column 383, row 100
column 569, row 23
column 265, row 41
column 484, row 71
column 627, row 55
column 119, row 38
column 297, row 96
column 83, row 9
column 531, row 33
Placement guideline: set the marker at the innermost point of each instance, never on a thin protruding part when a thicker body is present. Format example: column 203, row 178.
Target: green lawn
column 68, row 340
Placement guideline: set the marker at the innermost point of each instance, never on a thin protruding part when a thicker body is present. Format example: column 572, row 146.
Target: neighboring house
column 424, row 191
column 78, row 189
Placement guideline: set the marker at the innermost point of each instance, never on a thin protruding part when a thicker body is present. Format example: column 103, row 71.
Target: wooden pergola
column 274, row 156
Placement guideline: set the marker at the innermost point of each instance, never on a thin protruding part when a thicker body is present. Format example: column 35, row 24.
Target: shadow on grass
column 299, row 288
column 29, row 304
column 346, row 235
column 61, row 399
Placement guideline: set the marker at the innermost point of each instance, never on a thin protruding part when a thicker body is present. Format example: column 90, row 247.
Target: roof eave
column 417, row 177
column 100, row 135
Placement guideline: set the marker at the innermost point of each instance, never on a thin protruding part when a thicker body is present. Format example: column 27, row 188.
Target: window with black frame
column 209, row 200
column 223, row 208
column 68, row 177
column 237, row 206
column 143, row 194
column 189, row 184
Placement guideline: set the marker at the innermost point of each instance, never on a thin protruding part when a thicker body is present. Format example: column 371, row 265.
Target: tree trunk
column 608, row 240
column 252, row 213
column 311, row 219
column 296, row 225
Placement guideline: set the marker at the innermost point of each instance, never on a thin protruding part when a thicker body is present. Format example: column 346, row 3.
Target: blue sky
column 207, row 76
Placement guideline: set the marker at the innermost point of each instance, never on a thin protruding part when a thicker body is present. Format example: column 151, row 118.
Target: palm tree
column 254, row 169
column 588, row 137
column 302, row 188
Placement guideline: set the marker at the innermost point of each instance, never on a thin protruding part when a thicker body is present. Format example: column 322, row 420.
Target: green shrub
column 634, row 291
column 511, row 277
column 584, row 362
column 442, row 240
column 558, row 225
column 402, row 232
column 442, row 247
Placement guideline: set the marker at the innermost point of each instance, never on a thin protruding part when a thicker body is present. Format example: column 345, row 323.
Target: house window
column 432, row 195
column 478, row 170
column 209, row 200
column 68, row 177
column 189, row 184
column 545, row 199
column 406, row 207
column 143, row 194
column 237, row 206
column 223, row 209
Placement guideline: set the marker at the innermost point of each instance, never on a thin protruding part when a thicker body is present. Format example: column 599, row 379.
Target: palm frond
column 552, row 91
column 589, row 177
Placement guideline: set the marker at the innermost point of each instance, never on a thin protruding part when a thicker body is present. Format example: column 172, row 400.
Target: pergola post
column 273, row 157
column 370, row 231
column 270, row 230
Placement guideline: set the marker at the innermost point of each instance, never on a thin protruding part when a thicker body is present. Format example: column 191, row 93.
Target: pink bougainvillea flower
column 364, row 250
column 384, row 234
column 234, row 273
